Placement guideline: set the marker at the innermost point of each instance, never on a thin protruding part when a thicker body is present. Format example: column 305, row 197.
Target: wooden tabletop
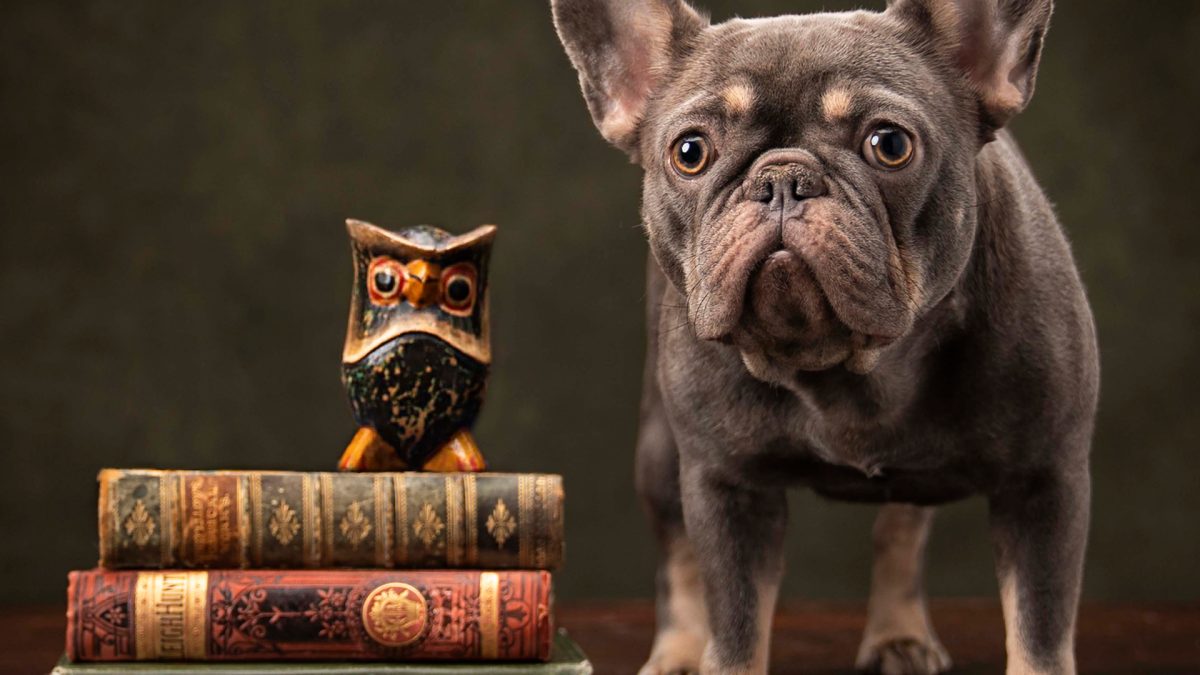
column 810, row 638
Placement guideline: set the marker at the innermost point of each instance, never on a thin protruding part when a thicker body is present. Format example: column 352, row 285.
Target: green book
column 566, row 658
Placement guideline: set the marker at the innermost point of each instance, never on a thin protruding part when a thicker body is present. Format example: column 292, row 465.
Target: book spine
column 252, row 615
column 251, row 519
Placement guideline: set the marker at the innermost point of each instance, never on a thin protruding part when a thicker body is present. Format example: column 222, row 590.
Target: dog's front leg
column 1039, row 532
column 899, row 637
column 736, row 532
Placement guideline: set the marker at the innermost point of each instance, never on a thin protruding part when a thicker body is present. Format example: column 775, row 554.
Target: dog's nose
column 784, row 177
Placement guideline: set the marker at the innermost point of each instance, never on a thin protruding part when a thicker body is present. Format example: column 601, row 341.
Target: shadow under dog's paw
column 904, row 656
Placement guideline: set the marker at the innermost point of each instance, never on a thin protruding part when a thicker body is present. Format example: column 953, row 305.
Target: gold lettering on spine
column 470, row 504
column 326, row 519
column 211, row 521
column 454, row 522
column 401, row 520
column 489, row 615
column 524, row 509
column 169, row 615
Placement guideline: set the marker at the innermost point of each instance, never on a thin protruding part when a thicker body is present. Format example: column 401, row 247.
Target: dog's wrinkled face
column 809, row 182
column 788, row 162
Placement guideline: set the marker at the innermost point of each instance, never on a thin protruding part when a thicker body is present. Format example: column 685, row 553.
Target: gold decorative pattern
column 171, row 507
column 471, row 505
column 383, row 522
column 427, row 526
column 256, row 524
column 355, row 526
column 326, row 533
column 524, row 508
column 501, row 524
column 283, row 524
column 454, row 528
column 395, row 614
column 243, row 518
column 539, row 518
column 401, row 487
column 489, row 615
column 309, row 533
column 139, row 525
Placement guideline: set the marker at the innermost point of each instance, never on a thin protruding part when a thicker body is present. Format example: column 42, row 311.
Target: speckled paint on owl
column 415, row 363
column 416, row 391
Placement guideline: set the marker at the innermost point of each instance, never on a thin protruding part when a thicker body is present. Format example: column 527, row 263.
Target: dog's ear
column 996, row 43
column 621, row 49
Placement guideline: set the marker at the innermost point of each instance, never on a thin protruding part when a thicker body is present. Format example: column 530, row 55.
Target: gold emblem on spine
column 139, row 526
column 395, row 614
column 489, row 615
column 501, row 524
column 355, row 526
column 283, row 524
column 428, row 526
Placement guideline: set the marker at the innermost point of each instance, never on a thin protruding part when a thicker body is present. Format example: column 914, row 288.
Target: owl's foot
column 459, row 454
column 367, row 451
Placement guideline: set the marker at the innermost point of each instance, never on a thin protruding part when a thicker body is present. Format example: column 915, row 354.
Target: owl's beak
column 421, row 283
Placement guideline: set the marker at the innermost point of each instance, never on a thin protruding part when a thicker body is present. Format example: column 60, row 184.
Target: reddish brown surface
column 809, row 638
column 822, row 638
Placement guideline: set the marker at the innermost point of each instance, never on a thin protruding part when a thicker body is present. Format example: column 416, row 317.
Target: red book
column 245, row 615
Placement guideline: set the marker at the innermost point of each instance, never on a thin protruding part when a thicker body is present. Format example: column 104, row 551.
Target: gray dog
column 856, row 285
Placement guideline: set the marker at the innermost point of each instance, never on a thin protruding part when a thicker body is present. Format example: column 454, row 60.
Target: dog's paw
column 675, row 652
column 904, row 656
column 661, row 666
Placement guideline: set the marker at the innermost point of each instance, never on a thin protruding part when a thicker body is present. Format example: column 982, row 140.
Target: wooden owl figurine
column 417, row 349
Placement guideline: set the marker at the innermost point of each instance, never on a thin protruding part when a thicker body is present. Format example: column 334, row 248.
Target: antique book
column 315, row 615
column 257, row 519
column 566, row 658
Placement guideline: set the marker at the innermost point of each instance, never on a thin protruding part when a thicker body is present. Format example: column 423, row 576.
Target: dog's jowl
column 877, row 303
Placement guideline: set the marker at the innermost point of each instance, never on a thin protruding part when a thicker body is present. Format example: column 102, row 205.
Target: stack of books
column 322, row 573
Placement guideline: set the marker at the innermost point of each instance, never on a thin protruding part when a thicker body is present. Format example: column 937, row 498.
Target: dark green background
column 174, row 274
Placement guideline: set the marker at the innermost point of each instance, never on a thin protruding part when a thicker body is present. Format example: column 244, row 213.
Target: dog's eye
column 691, row 154
column 888, row 148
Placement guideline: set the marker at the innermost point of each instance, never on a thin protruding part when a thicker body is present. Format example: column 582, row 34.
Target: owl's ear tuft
column 360, row 230
column 622, row 49
column 996, row 45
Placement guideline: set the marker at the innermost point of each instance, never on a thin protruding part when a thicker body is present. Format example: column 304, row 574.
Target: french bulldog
column 855, row 285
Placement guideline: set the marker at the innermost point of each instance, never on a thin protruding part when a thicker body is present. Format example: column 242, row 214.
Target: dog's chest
column 848, row 447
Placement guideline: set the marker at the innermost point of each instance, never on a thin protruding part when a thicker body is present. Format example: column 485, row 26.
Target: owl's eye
column 385, row 281
column 691, row 154
column 458, row 289
column 889, row 148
